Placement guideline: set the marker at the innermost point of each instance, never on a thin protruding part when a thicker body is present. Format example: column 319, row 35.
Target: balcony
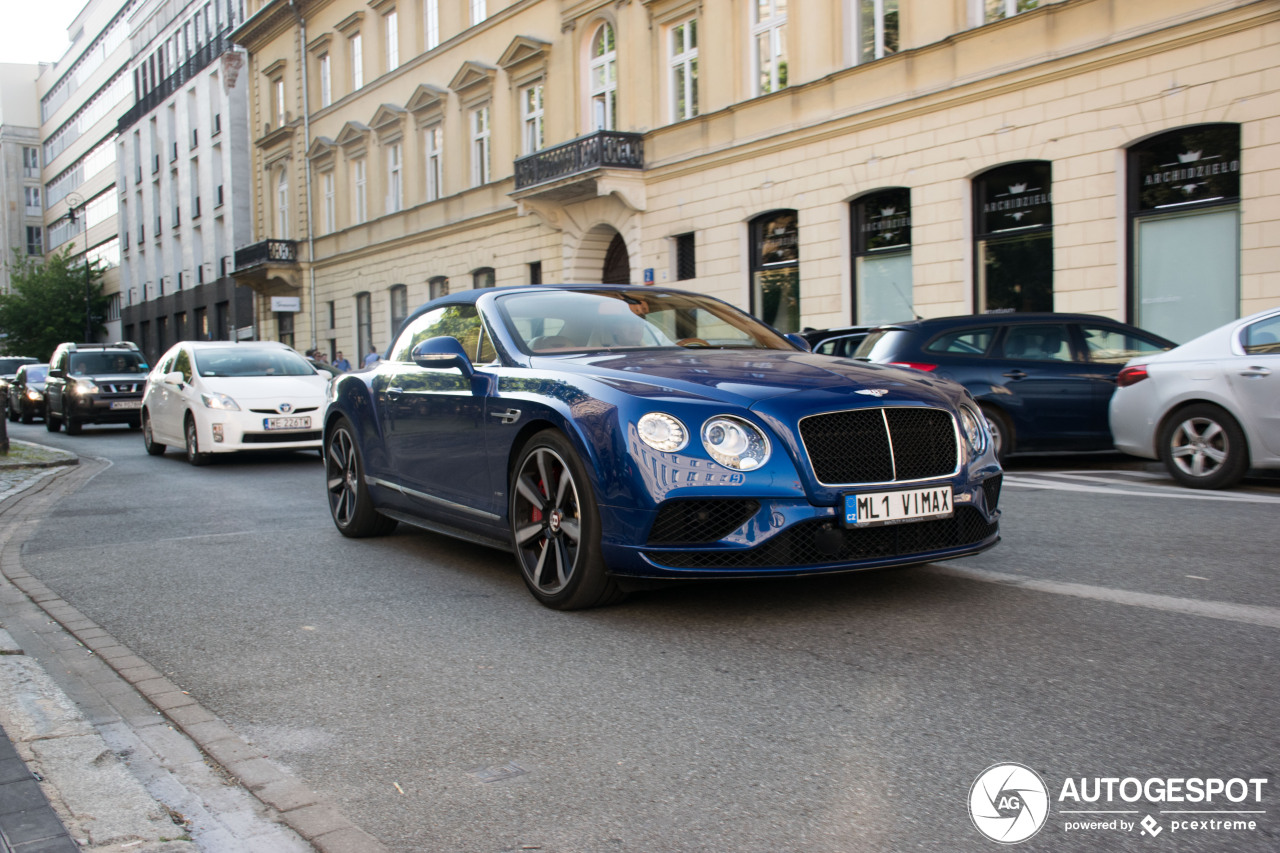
column 579, row 169
column 269, row 267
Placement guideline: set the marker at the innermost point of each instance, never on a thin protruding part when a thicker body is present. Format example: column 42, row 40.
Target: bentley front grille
column 881, row 445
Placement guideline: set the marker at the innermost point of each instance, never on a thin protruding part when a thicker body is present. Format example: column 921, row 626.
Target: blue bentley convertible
column 610, row 433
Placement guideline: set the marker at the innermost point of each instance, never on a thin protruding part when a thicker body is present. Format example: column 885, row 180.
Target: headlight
column 974, row 426
column 219, row 401
column 663, row 432
column 84, row 386
column 735, row 443
column 34, row 396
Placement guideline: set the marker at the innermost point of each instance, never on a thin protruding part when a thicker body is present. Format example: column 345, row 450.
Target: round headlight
column 662, row 432
column 735, row 443
column 975, row 429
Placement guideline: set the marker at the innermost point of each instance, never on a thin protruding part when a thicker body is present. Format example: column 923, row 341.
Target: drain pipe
column 306, row 167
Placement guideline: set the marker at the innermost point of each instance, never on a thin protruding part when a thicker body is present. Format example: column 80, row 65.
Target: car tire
column 350, row 503
column 153, row 447
column 555, row 527
column 74, row 426
column 194, row 456
column 12, row 414
column 51, row 423
column 1001, row 430
column 1204, row 448
column 135, row 423
column 27, row 416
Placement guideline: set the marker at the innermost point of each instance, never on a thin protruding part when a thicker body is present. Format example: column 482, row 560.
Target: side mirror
column 799, row 342
column 174, row 377
column 56, row 371
column 442, row 353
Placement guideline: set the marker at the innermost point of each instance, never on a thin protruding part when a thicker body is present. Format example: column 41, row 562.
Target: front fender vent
column 694, row 521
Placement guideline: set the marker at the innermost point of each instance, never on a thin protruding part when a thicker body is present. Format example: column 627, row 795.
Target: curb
column 60, row 458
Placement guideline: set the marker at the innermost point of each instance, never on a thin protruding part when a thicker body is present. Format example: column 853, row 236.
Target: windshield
column 9, row 366
column 252, row 361
column 560, row 321
column 37, row 374
column 99, row 363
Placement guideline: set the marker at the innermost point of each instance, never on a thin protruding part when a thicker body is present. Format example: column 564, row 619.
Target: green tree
column 46, row 305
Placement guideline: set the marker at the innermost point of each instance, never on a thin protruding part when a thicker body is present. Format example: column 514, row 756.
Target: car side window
column 182, row 362
column 1116, row 346
column 1038, row 342
column 460, row 322
column 963, row 342
column 166, row 366
column 1263, row 337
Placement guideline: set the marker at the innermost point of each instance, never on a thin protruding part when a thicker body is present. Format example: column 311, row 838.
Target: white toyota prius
column 1209, row 409
column 224, row 397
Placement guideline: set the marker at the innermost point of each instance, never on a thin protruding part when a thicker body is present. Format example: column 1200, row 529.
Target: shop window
column 882, row 284
column 775, row 269
column 1013, row 230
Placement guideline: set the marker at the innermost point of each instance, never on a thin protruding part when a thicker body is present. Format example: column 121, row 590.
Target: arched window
column 1013, row 232
column 882, row 257
column 775, row 269
column 1184, row 210
column 399, row 305
column 437, row 287
column 483, row 277
column 604, row 79
column 282, row 204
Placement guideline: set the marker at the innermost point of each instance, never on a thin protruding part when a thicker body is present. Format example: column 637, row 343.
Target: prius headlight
column 735, row 443
column 663, row 432
column 219, row 401
column 974, row 426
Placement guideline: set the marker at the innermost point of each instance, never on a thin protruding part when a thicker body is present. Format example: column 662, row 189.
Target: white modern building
column 21, row 210
column 181, row 148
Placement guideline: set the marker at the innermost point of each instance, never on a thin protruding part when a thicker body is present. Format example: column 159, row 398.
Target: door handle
column 1255, row 371
column 394, row 393
column 1016, row 374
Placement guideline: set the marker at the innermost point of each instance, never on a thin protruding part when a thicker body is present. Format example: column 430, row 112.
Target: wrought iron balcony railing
column 267, row 252
column 604, row 149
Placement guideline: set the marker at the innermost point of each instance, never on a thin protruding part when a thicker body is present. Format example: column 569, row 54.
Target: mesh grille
column 991, row 488
column 700, row 520
column 814, row 543
column 854, row 447
column 279, row 437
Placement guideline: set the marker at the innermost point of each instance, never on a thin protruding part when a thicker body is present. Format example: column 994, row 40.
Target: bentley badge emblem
column 873, row 392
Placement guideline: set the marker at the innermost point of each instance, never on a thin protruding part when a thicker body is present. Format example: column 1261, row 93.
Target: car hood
column 747, row 377
column 268, row 390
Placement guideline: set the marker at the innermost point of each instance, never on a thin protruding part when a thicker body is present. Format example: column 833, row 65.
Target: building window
column 434, row 145
column 535, row 272
column 876, row 33
column 480, row 146
column 330, row 206
column 604, row 79
column 35, row 240
column 399, row 302
column 364, row 325
column 395, row 179
column 478, row 12
column 359, row 198
column 1013, row 230
column 483, row 277
column 882, row 257
column 686, row 257
column 31, row 199
column 995, row 10
column 531, row 117
column 279, row 103
column 769, row 37
column 282, row 205
column 437, row 287
column 391, row 28
column 357, row 62
column 684, row 70
column 30, row 162
column 775, row 269
column 1184, row 233
column 431, row 19
column 284, row 327
column 326, row 81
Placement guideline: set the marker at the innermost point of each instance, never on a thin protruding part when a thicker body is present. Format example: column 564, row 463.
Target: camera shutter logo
column 1008, row 803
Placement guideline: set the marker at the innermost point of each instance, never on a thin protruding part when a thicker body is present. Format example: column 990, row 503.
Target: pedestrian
column 372, row 358
column 340, row 362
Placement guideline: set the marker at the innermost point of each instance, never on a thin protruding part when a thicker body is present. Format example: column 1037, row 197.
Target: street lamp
column 74, row 202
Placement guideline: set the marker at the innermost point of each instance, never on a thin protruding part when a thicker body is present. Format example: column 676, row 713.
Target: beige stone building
column 817, row 162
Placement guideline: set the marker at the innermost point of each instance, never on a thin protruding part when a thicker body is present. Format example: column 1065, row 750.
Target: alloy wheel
column 1199, row 447
column 547, row 521
column 342, row 473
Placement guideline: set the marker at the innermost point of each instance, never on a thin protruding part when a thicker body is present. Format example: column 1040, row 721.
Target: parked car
column 9, row 365
column 213, row 397
column 25, row 400
column 840, row 342
column 608, row 433
column 94, row 384
column 1043, row 380
column 1209, row 409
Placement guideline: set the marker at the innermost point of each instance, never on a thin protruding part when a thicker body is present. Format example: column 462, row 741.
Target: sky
column 34, row 31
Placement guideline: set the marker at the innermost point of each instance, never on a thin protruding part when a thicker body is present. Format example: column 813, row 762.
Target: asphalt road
column 414, row 681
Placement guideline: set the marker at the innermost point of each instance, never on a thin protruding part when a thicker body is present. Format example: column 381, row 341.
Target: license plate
column 127, row 404
column 287, row 423
column 873, row 508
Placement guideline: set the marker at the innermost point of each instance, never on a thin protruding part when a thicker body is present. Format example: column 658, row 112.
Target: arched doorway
column 617, row 262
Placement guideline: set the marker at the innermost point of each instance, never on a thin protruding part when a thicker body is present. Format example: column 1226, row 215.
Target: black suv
column 95, row 383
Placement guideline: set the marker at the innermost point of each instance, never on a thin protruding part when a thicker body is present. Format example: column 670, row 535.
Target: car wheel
column 555, row 527
column 27, row 415
column 1204, row 448
column 350, row 503
column 1001, row 431
column 135, row 423
column 194, row 456
column 74, row 426
column 148, row 440
column 51, row 423
column 11, row 413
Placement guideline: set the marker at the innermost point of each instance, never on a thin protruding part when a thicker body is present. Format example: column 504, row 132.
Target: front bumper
column 232, row 432
column 104, row 410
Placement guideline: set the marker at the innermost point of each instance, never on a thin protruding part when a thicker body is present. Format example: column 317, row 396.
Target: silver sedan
column 1209, row 409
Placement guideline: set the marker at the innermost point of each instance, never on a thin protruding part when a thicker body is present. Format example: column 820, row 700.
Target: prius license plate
column 287, row 423
column 872, row 508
